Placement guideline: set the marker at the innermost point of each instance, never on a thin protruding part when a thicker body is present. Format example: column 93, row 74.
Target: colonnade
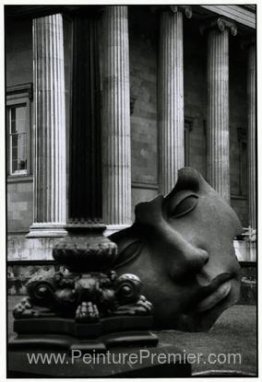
column 50, row 115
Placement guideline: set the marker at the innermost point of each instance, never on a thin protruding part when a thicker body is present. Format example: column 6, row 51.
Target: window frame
column 15, row 96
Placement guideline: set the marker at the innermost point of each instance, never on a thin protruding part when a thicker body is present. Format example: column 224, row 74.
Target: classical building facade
column 105, row 103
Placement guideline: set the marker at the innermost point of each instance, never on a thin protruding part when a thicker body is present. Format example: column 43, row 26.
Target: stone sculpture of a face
column 181, row 247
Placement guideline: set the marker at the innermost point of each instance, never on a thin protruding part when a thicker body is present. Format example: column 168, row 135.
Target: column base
column 47, row 230
column 113, row 228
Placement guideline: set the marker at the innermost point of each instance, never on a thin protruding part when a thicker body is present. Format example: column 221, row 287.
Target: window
column 18, row 139
column 18, row 117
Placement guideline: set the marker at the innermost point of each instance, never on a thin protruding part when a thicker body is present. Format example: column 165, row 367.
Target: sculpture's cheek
column 168, row 298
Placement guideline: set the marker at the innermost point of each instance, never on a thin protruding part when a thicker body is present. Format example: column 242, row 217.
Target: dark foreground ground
column 230, row 345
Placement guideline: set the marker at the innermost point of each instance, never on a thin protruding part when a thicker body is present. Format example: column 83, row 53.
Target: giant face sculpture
column 181, row 246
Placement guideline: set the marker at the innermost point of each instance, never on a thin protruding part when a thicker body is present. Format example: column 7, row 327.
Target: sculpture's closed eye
column 184, row 206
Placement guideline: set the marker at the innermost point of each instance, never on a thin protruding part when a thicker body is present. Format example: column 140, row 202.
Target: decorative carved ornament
column 85, row 297
column 220, row 24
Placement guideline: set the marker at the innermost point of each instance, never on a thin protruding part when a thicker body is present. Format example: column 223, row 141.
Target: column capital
column 220, row 24
column 185, row 9
column 104, row 7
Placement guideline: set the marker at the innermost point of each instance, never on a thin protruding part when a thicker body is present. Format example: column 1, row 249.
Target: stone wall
column 19, row 205
column 19, row 58
column 20, row 248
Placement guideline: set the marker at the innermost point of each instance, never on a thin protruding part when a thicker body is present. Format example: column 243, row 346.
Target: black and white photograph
column 131, row 189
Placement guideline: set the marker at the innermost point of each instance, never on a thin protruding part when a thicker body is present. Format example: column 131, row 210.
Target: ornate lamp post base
column 84, row 303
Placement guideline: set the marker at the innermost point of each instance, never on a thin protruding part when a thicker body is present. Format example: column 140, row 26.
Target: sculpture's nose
column 187, row 260
column 194, row 259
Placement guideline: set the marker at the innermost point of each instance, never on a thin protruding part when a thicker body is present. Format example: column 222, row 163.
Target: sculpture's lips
column 210, row 295
column 218, row 295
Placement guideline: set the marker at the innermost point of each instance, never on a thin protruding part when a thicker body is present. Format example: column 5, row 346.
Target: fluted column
column 252, row 136
column 116, row 119
column 49, row 127
column 171, row 98
column 218, row 170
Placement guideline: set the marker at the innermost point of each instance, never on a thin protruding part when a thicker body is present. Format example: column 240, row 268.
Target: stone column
column 49, row 128
column 171, row 97
column 116, row 157
column 218, row 171
column 252, row 179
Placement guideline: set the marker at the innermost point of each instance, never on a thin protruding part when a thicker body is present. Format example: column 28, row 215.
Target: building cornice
column 235, row 13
